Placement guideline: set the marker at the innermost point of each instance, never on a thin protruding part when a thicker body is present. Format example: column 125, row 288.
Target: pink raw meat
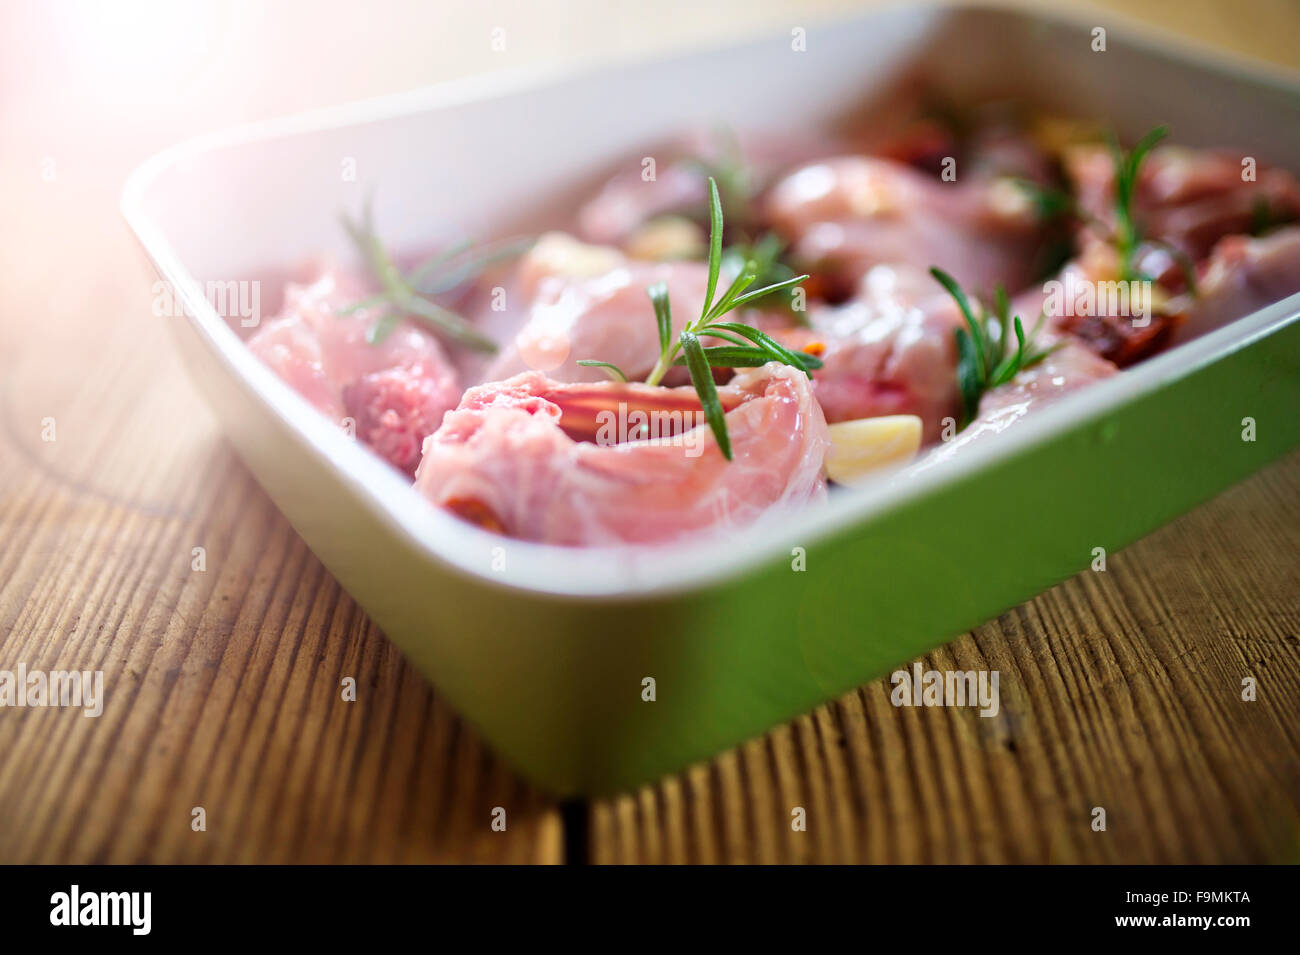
column 608, row 317
column 891, row 350
column 628, row 200
column 1242, row 275
column 507, row 459
column 1122, row 337
column 848, row 214
column 1064, row 371
column 1189, row 198
column 396, row 391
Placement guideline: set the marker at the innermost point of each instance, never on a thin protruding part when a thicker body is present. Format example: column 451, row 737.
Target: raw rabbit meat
column 396, row 391
column 505, row 460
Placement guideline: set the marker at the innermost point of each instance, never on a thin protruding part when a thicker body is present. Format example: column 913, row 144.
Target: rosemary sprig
column 1049, row 202
column 737, row 181
column 406, row 295
column 748, row 347
column 1128, row 234
column 463, row 262
column 983, row 360
column 765, row 253
column 1126, row 237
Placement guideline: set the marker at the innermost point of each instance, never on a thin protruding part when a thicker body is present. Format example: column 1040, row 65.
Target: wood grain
column 223, row 691
column 1119, row 690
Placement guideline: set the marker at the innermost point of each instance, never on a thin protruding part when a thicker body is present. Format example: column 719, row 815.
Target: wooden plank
column 1119, row 689
column 223, row 691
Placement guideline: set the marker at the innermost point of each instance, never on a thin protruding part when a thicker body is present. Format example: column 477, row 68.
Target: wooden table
column 1120, row 690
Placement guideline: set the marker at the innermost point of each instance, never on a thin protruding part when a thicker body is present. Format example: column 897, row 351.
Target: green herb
column 1053, row 208
column 1260, row 216
column 764, row 349
column 1049, row 202
column 615, row 373
column 735, row 180
column 983, row 361
column 766, row 256
column 697, row 363
column 1264, row 217
column 748, row 347
column 462, row 262
column 405, row 295
column 735, row 356
column 1128, row 235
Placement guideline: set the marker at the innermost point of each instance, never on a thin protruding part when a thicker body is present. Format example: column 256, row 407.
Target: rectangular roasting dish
column 544, row 650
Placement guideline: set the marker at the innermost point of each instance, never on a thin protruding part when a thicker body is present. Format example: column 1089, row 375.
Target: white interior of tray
column 471, row 155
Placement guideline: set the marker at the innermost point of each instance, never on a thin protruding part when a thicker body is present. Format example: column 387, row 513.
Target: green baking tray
column 545, row 650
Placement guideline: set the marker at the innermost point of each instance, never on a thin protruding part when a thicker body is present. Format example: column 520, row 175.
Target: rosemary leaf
column 732, row 356
column 748, row 297
column 976, row 332
column 382, row 327
column 1005, row 370
column 1127, row 233
column 715, row 243
column 444, row 320
column 425, row 270
column 1002, row 309
column 702, row 378
column 775, row 349
column 615, row 373
column 713, row 332
column 401, row 295
column 362, row 305
column 724, row 304
column 663, row 313
column 982, row 362
column 474, row 264
column 749, row 356
column 968, row 376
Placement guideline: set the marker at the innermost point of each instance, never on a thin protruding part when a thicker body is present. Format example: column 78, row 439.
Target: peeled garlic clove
column 861, row 449
column 560, row 254
column 665, row 238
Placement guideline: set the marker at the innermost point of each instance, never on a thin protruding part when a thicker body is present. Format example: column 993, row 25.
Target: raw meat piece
column 849, row 214
column 1242, row 275
column 396, row 391
column 891, row 350
column 680, row 187
column 607, row 317
column 505, row 460
column 1189, row 198
column 1121, row 322
column 1066, row 370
